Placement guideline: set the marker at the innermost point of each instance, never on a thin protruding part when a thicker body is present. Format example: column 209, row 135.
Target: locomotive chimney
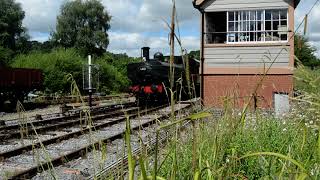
column 145, row 53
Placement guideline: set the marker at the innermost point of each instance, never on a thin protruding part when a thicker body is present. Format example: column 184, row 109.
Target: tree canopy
column 83, row 24
column 11, row 16
column 11, row 29
column 305, row 52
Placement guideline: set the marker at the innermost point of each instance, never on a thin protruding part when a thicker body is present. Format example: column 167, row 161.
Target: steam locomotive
column 150, row 78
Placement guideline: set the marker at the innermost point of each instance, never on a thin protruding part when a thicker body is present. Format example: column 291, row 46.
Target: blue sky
column 137, row 23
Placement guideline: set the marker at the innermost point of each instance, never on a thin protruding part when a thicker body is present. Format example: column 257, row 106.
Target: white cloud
column 313, row 26
column 40, row 15
column 137, row 23
column 147, row 15
column 130, row 43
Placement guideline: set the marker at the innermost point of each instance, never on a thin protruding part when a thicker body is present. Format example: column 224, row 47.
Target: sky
column 138, row 23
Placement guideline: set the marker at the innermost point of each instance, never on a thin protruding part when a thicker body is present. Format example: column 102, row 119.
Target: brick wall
column 238, row 89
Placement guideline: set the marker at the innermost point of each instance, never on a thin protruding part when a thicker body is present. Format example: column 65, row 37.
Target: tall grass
column 262, row 146
column 245, row 145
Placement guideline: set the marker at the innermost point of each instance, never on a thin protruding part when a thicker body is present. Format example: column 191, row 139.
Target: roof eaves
column 296, row 3
column 198, row 3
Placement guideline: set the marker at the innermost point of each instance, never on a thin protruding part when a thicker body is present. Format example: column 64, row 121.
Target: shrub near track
column 60, row 62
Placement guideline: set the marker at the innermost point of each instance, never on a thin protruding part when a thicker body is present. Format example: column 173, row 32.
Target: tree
column 305, row 52
column 195, row 54
column 11, row 16
column 83, row 24
column 5, row 56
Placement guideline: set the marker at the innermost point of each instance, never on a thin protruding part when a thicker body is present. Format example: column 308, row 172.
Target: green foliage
column 305, row 52
column 24, row 46
column 5, row 56
column 111, row 80
column 60, row 62
column 83, row 25
column 264, row 147
column 11, row 16
column 306, row 80
column 195, row 54
column 222, row 146
column 119, row 61
column 55, row 66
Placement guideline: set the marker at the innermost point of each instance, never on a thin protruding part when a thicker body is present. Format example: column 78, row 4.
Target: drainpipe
column 201, row 51
column 202, row 58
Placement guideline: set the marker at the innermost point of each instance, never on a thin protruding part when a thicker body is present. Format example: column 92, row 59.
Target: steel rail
column 17, row 151
column 71, row 115
column 26, row 174
column 121, row 163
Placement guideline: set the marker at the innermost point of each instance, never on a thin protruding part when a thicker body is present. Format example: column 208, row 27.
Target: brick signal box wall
column 238, row 89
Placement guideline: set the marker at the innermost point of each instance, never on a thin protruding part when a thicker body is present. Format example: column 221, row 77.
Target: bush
column 111, row 80
column 60, row 62
column 113, row 77
column 55, row 66
column 5, row 56
column 119, row 61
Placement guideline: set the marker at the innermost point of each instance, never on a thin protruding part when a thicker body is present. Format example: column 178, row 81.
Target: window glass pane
column 268, row 36
column 242, row 37
column 259, row 15
column 252, row 26
column 231, row 16
column 275, row 14
column 236, row 16
column 232, row 37
column 268, row 25
column 284, row 37
column 275, row 25
column 242, row 26
column 283, row 14
column 236, row 26
column 284, row 23
column 231, row 26
column 247, row 15
column 259, row 26
column 268, row 14
column 276, row 36
column 242, row 16
column 259, row 36
column 247, row 25
column 252, row 15
column 252, row 36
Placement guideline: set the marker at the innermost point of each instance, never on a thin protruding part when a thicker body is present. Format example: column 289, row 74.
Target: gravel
column 84, row 166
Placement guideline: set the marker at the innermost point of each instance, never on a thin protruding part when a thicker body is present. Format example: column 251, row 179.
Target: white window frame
column 263, row 31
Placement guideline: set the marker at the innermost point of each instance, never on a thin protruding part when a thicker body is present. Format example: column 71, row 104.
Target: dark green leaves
column 83, row 25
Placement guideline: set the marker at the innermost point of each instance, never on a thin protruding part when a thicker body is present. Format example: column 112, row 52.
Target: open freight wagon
column 16, row 83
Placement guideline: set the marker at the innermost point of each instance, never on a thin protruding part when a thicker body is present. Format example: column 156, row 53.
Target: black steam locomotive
column 150, row 78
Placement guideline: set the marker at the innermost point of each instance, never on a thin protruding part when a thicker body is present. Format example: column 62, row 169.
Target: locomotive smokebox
column 145, row 53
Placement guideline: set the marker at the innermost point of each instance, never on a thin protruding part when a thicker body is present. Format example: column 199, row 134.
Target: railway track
column 56, row 142
column 74, row 99
column 70, row 103
column 14, row 130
